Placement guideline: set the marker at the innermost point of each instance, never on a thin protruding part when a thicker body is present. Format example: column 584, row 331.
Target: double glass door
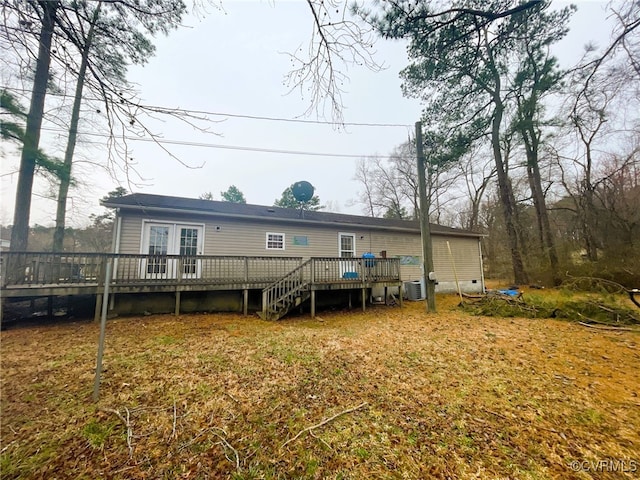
column 161, row 240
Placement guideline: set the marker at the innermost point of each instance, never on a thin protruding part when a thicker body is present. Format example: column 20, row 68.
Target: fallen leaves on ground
column 412, row 395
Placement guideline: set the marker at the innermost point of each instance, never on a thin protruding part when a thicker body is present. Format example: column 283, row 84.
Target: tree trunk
column 20, row 231
column 589, row 216
column 586, row 207
column 65, row 180
column 588, row 220
column 504, row 184
column 545, row 234
column 506, row 195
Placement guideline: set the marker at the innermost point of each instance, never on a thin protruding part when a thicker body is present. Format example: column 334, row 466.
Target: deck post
column 179, row 273
column 96, row 315
column 178, row 295
column 312, row 272
column 400, row 294
column 264, row 305
column 364, row 299
column 245, row 302
column 313, row 303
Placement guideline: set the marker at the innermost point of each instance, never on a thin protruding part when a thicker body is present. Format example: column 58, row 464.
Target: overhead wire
column 170, row 110
column 166, row 141
column 187, row 111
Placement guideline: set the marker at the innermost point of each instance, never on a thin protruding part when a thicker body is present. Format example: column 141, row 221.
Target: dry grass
column 447, row 395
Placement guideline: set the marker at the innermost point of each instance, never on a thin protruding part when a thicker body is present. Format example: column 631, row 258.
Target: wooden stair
column 288, row 292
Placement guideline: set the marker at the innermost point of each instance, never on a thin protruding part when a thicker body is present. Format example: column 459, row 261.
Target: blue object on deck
column 350, row 275
column 511, row 293
column 369, row 259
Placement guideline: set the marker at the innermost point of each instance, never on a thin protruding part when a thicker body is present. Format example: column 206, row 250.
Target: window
column 346, row 245
column 275, row 241
column 158, row 246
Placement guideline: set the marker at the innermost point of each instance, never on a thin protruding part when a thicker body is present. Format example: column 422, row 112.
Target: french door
column 160, row 240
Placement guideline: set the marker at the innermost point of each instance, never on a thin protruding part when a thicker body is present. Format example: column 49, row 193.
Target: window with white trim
column 346, row 245
column 275, row 241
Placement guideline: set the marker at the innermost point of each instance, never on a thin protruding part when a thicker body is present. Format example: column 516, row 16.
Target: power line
column 279, row 119
column 238, row 115
column 225, row 147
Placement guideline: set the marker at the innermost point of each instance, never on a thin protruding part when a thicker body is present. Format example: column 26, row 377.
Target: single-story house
column 163, row 225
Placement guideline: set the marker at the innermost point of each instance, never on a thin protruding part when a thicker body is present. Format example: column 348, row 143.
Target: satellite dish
column 302, row 191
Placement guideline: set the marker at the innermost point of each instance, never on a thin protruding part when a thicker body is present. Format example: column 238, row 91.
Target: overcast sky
column 234, row 62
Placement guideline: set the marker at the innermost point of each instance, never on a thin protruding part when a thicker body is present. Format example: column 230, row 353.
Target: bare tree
column 625, row 43
column 477, row 172
column 589, row 121
column 390, row 185
column 618, row 202
column 364, row 175
column 338, row 41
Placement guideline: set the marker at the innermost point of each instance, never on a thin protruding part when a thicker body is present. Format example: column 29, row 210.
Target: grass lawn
column 415, row 395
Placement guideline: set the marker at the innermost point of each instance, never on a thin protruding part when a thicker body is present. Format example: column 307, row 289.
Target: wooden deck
column 45, row 274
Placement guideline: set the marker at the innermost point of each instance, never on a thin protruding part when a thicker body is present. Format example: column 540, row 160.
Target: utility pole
column 425, row 228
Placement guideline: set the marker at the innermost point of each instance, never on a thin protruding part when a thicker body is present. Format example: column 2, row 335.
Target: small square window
column 275, row 241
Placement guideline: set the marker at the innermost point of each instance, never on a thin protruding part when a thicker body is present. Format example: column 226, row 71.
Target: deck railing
column 46, row 268
column 330, row 269
column 200, row 269
column 21, row 269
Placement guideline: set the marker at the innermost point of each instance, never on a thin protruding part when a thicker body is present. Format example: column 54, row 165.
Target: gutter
column 285, row 220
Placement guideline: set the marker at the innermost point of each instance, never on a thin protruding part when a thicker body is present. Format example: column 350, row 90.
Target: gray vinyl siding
column 130, row 233
column 464, row 259
column 224, row 236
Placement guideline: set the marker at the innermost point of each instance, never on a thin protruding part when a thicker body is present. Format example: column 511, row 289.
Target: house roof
column 161, row 203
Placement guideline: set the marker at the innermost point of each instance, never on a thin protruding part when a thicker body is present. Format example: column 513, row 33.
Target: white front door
column 162, row 239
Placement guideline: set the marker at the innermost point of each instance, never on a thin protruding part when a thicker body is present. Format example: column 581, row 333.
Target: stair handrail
column 285, row 288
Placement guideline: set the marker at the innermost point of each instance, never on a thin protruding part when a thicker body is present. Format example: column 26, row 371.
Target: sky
column 234, row 61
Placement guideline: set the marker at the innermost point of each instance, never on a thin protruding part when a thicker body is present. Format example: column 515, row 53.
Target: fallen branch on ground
column 127, row 424
column 540, row 427
column 223, row 441
column 324, row 422
column 602, row 327
column 225, row 444
column 175, row 419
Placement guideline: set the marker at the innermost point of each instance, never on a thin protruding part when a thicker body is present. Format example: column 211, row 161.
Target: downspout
column 115, row 236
